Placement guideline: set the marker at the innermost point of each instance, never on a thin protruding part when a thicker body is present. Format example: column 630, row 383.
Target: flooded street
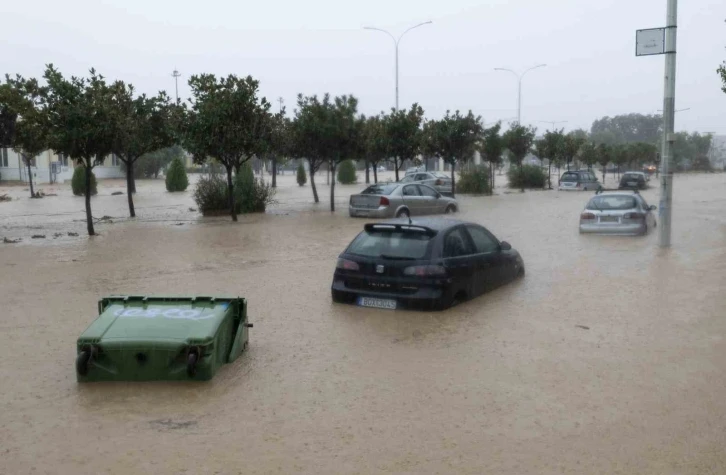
column 609, row 357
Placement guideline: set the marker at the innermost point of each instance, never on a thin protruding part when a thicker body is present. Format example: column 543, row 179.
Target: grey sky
column 318, row 46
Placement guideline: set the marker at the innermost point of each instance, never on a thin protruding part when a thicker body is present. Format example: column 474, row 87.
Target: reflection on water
column 608, row 356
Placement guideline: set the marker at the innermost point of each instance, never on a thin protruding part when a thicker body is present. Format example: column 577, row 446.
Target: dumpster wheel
column 192, row 359
column 82, row 362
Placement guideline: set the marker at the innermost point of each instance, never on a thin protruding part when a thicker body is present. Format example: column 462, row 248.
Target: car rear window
column 570, row 177
column 632, row 176
column 612, row 202
column 391, row 244
column 441, row 175
column 379, row 189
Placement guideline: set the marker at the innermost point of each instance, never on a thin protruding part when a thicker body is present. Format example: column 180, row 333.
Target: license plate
column 609, row 219
column 377, row 303
column 632, row 183
column 362, row 213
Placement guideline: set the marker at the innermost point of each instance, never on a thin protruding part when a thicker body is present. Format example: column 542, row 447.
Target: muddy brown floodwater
column 609, row 357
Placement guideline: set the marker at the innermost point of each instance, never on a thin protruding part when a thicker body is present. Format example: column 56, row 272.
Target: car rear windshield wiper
column 398, row 258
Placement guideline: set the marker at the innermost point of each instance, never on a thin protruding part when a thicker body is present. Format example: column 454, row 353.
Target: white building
column 49, row 167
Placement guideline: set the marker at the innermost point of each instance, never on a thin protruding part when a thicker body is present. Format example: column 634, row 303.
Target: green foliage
column 475, row 181
column 376, row 142
column 571, row 145
column 589, row 154
column 302, row 177
column 640, row 153
column 687, row 147
column 492, row 145
column 151, row 164
column 519, row 140
column 722, row 72
column 251, row 195
column 347, row 173
column 210, row 195
column 176, row 176
column 627, row 128
column 702, row 164
column 78, row 182
column 526, row 176
column 227, row 121
column 403, row 135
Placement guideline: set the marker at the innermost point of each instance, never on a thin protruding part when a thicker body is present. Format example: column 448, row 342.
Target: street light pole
column 519, row 87
column 176, row 74
column 669, row 100
column 395, row 44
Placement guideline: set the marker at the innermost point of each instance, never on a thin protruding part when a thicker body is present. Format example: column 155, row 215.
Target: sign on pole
column 649, row 41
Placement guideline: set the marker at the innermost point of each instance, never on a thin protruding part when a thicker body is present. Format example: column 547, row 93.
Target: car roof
column 436, row 224
column 616, row 193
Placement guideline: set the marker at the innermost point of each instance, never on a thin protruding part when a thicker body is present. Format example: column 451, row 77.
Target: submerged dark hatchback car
column 424, row 263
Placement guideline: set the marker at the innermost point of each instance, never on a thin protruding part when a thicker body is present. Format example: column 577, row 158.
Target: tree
column 176, row 176
column 278, row 141
column 27, row 134
column 518, row 141
column 301, row 177
column 627, row 128
column 552, row 148
column 375, row 143
column 491, row 149
column 228, row 122
column 604, row 156
column 639, row 153
column 722, row 72
column 403, row 135
column 571, row 145
column 589, row 154
column 620, row 155
column 454, row 138
column 345, row 142
column 143, row 126
column 150, row 165
column 79, row 112
column 347, row 172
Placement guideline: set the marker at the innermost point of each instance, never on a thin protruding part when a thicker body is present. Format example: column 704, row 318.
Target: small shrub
column 78, row 182
column 252, row 195
column 302, row 178
column 346, row 173
column 176, row 176
column 702, row 164
column 527, row 176
column 474, row 181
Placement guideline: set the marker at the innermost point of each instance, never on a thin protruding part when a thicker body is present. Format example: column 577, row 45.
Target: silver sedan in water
column 617, row 213
column 389, row 200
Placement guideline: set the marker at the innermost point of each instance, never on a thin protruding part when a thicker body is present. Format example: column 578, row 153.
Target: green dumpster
column 138, row 338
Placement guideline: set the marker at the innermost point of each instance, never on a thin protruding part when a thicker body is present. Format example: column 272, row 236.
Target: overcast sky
column 318, row 46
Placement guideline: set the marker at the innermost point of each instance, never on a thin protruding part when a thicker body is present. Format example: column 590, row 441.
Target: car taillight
column 577, row 184
column 587, row 216
column 347, row 265
column 438, row 182
column 636, row 216
column 384, row 201
column 424, row 271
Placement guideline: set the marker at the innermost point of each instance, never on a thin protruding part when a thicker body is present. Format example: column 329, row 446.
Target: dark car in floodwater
column 431, row 263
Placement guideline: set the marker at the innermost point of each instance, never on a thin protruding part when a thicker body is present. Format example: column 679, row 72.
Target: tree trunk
column 332, row 189
column 312, row 183
column 230, row 192
column 603, row 175
column 368, row 172
column 521, row 174
column 89, row 214
column 453, row 179
column 396, row 165
column 130, row 187
column 568, row 164
column 375, row 173
column 274, row 171
column 549, row 173
column 30, row 178
column 491, row 178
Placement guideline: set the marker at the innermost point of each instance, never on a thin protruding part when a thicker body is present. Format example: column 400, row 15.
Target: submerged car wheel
column 192, row 364
column 82, row 362
column 450, row 209
column 404, row 213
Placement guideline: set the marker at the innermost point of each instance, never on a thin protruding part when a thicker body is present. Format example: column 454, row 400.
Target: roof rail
column 399, row 228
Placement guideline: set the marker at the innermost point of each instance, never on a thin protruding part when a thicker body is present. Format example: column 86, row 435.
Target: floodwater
column 609, row 357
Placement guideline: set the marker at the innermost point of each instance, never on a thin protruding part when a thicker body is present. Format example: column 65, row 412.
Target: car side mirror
column 652, row 207
column 505, row 246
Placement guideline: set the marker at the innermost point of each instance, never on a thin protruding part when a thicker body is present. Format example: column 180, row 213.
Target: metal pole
column 519, row 102
column 395, row 43
column 397, row 74
column 176, row 75
column 669, row 99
